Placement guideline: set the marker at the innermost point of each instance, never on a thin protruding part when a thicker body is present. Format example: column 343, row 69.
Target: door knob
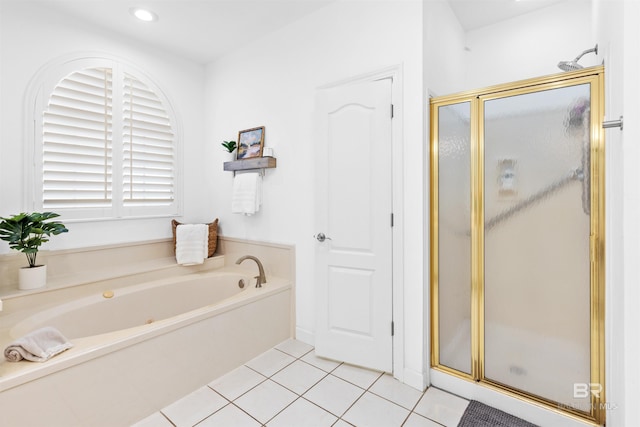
column 320, row 237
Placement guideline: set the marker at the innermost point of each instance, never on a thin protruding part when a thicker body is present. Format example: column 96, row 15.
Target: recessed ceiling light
column 143, row 14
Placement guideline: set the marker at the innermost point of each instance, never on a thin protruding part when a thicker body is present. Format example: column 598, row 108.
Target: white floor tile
column 373, row 411
column 229, row 416
column 395, row 391
column 416, row 420
column 194, row 407
column 265, row 400
column 237, row 382
column 334, row 394
column 359, row 376
column 154, row 420
column 294, row 347
column 303, row 413
column 290, row 386
column 441, row 407
column 270, row 362
column 299, row 376
column 326, row 365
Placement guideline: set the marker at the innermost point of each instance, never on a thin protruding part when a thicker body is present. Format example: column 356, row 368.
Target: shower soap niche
column 507, row 180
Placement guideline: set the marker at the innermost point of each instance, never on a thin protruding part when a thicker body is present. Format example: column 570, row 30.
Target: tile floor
column 288, row 386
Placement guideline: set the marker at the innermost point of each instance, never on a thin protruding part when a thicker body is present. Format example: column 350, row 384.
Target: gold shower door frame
column 595, row 78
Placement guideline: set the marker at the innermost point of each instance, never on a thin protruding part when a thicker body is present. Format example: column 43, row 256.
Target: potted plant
column 229, row 146
column 25, row 232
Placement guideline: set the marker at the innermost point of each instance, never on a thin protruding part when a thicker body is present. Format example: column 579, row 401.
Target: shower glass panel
column 518, row 241
column 454, row 236
column 537, row 242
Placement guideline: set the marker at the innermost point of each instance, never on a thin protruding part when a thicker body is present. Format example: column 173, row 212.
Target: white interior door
column 354, row 225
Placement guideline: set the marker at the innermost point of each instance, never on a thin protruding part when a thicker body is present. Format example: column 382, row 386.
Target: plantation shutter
column 77, row 141
column 148, row 147
column 108, row 146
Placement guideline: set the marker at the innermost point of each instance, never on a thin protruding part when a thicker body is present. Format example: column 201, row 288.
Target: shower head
column 573, row 65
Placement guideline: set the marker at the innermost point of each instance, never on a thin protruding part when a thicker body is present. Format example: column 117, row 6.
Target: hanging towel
column 247, row 193
column 37, row 346
column 192, row 243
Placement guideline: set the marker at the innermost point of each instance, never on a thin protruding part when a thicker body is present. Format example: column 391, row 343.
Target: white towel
column 37, row 346
column 247, row 193
column 192, row 243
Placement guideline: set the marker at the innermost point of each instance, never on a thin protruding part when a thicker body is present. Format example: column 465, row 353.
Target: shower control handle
column 320, row 237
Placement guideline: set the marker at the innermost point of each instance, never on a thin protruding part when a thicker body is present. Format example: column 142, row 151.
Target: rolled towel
column 37, row 346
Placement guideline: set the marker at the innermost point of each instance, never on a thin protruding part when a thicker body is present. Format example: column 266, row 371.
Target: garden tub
column 140, row 347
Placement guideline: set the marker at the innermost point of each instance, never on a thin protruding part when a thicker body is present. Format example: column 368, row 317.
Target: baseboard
column 415, row 379
column 305, row 336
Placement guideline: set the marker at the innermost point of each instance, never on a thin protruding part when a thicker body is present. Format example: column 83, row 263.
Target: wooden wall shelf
column 248, row 164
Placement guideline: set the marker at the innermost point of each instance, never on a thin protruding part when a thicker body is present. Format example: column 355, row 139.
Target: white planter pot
column 32, row 277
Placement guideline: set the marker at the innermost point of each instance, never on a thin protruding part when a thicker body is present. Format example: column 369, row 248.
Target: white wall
column 31, row 37
column 273, row 82
column 618, row 33
column 445, row 56
column 631, row 212
column 530, row 45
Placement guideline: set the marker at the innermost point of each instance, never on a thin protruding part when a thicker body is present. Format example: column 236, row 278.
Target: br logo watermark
column 585, row 391
column 582, row 390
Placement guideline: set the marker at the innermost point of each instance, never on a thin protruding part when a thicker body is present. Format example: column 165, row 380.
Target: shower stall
column 517, row 240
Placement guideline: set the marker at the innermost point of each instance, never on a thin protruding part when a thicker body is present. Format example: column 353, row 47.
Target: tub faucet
column 260, row 278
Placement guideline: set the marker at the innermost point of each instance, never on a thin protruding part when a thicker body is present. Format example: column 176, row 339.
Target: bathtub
column 140, row 347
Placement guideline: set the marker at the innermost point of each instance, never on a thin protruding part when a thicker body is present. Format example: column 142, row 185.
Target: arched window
column 105, row 144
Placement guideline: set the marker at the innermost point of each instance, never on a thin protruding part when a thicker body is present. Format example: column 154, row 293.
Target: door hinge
column 392, row 111
column 392, row 219
column 392, row 328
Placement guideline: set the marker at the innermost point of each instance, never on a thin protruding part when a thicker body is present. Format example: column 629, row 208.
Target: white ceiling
column 202, row 30
column 474, row 14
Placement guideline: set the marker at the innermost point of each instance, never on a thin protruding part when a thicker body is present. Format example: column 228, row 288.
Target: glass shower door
column 517, row 240
column 537, row 226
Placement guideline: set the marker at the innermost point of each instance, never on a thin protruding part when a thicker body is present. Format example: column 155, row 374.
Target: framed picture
column 250, row 143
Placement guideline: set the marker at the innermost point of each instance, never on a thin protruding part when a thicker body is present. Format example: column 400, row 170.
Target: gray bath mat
column 480, row 415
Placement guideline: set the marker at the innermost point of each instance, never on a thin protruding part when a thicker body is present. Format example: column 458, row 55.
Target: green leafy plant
column 25, row 232
column 229, row 146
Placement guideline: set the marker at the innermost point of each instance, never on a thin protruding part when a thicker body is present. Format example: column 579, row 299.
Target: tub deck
column 186, row 351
